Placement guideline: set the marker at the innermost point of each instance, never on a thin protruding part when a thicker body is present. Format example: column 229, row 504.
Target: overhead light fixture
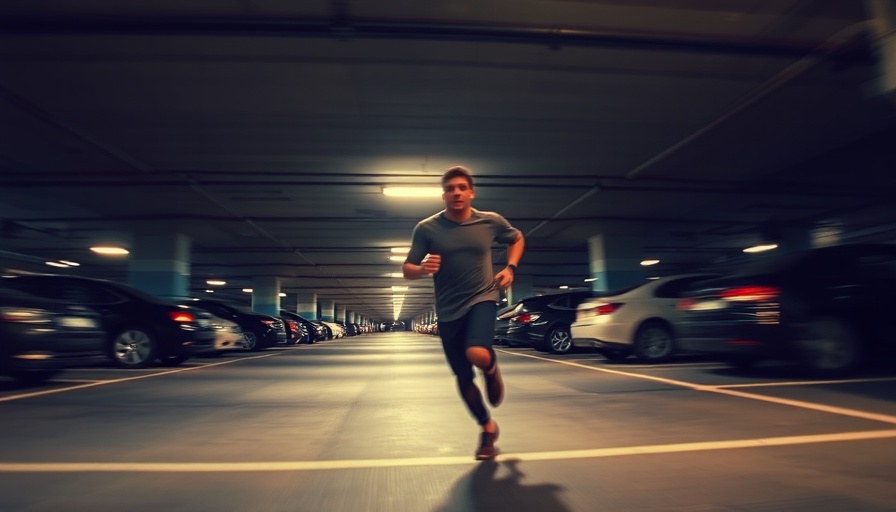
column 282, row 294
column 432, row 192
column 215, row 282
column 396, row 274
column 57, row 264
column 396, row 258
column 761, row 248
column 400, row 250
column 647, row 263
column 109, row 250
column 590, row 279
column 564, row 287
column 399, row 288
column 209, row 291
column 247, row 290
column 70, row 263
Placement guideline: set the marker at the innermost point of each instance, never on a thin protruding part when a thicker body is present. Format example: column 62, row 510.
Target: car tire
column 134, row 347
column 827, row 347
column 559, row 340
column 252, row 343
column 654, row 343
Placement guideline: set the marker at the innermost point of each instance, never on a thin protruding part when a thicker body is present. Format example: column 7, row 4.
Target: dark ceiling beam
column 351, row 28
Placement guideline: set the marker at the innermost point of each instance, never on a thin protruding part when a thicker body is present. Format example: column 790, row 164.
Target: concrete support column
column 615, row 261
column 306, row 306
column 160, row 265
column 521, row 288
column 327, row 310
column 266, row 295
column 883, row 16
column 339, row 314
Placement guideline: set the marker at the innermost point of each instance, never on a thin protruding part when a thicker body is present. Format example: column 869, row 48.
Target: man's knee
column 481, row 357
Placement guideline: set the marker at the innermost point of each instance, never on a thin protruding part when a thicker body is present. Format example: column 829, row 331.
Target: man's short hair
column 457, row 171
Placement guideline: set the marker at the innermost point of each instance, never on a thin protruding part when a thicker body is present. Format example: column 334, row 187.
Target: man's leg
column 480, row 335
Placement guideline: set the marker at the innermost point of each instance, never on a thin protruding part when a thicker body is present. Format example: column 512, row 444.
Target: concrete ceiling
column 265, row 130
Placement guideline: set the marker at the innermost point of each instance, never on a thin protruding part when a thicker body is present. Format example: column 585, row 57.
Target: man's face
column 457, row 194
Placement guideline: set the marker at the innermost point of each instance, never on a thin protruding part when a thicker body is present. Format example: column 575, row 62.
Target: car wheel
column 827, row 347
column 134, row 348
column 559, row 341
column 251, row 341
column 654, row 343
column 174, row 360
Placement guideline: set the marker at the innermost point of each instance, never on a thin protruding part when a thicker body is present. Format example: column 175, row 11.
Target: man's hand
column 504, row 278
column 431, row 263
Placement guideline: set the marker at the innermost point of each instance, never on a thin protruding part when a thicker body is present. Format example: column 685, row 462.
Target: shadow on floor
column 495, row 486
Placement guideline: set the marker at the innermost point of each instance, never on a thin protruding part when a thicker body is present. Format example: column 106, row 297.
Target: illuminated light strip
column 322, row 465
column 842, row 411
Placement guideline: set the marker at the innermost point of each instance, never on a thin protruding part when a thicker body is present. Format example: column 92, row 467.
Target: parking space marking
column 321, row 465
column 93, row 383
column 807, row 382
column 724, row 390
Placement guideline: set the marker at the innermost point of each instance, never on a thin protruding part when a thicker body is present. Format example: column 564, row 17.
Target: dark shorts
column 475, row 329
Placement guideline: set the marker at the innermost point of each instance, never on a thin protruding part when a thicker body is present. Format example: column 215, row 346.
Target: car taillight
column 525, row 318
column 684, row 304
column 24, row 315
column 181, row 316
column 268, row 322
column 751, row 293
column 606, row 308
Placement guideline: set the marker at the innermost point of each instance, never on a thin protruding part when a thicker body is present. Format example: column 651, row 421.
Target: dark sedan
column 261, row 331
column 827, row 309
column 141, row 328
column 543, row 321
column 311, row 333
column 40, row 337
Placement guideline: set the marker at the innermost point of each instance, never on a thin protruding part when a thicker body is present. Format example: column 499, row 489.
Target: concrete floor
column 373, row 423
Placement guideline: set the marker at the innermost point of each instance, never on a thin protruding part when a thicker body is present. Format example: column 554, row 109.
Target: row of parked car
column 825, row 309
column 51, row 322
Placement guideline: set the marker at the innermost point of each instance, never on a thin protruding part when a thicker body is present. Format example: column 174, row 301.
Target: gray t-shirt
column 465, row 277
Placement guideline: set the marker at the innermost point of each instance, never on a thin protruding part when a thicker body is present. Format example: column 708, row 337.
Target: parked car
column 259, row 330
column 312, row 333
column 640, row 321
column 295, row 332
column 141, row 328
column 40, row 337
column 228, row 335
column 543, row 321
column 502, row 323
column 827, row 309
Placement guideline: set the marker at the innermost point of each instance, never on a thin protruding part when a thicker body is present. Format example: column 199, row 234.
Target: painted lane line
column 232, row 467
column 722, row 390
column 91, row 384
column 807, row 383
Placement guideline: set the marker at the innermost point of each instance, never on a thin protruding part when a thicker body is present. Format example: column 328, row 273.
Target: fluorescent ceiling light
column 209, row 291
column 215, row 282
column 761, row 248
column 396, row 258
column 413, row 191
column 400, row 250
column 564, row 287
column 282, row 294
column 56, row 264
column 109, row 250
column 396, row 274
column 70, row 263
column 590, row 279
column 399, row 288
column 247, row 290
column 647, row 263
